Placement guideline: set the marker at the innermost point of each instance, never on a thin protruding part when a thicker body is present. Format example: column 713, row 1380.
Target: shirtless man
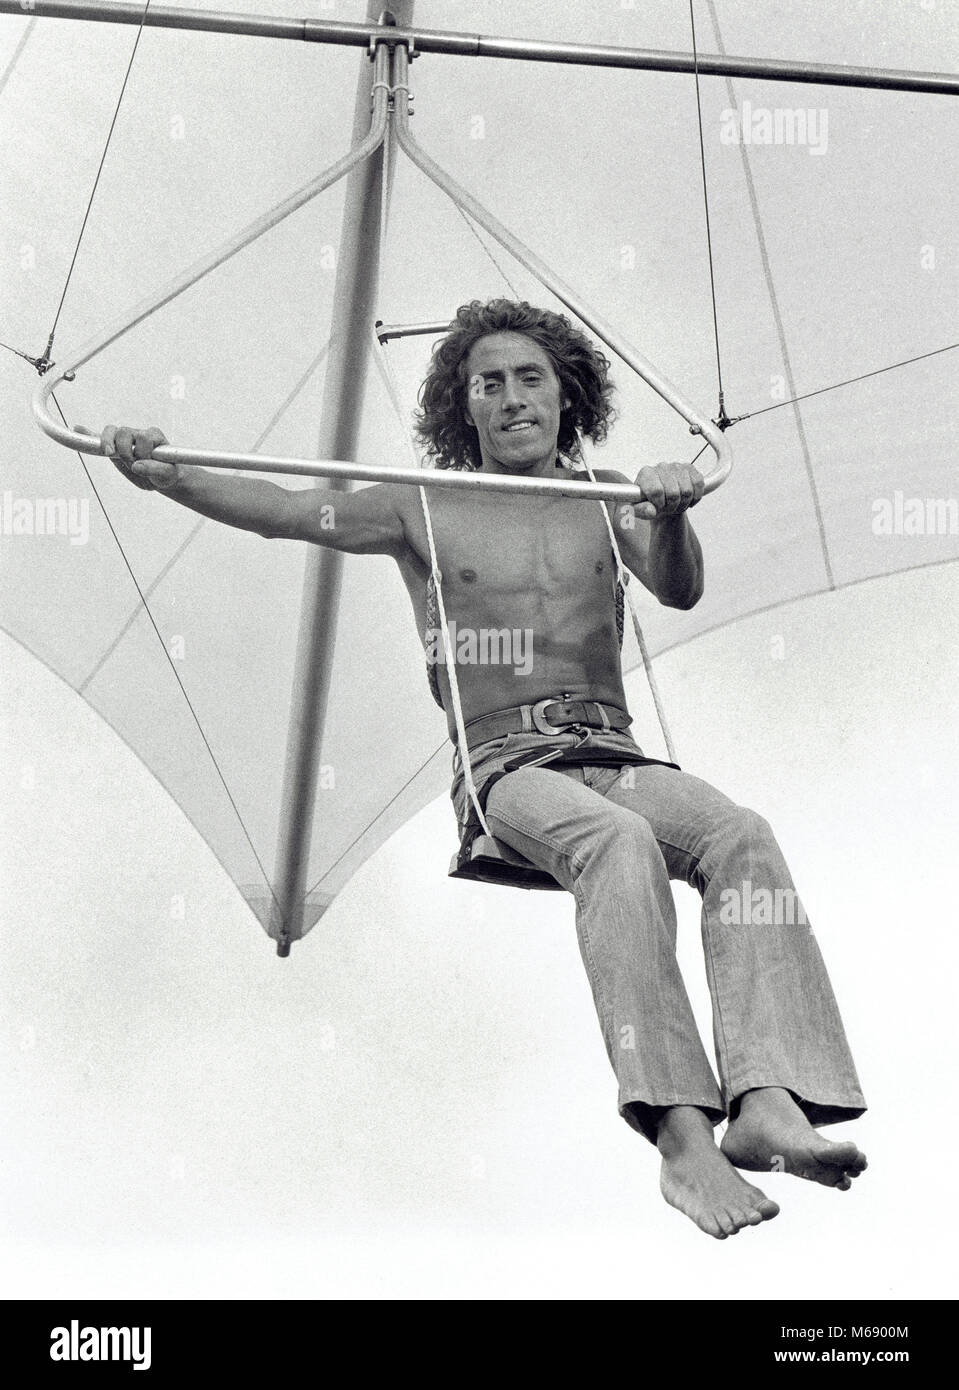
column 513, row 390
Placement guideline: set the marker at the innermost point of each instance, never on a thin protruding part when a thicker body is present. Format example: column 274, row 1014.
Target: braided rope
column 385, row 367
column 387, row 374
column 637, row 628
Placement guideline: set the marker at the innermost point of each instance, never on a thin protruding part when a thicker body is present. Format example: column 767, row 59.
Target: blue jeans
column 614, row 837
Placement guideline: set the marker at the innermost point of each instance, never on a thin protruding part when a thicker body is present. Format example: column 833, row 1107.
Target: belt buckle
column 537, row 712
column 572, row 726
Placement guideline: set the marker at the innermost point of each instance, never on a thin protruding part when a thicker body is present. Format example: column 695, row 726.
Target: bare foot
column 697, row 1180
column 771, row 1134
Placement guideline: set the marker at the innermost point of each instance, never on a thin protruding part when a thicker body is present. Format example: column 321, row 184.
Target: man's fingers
column 118, row 445
column 152, row 439
column 672, row 488
column 123, row 444
column 651, row 483
column 131, row 451
column 131, row 444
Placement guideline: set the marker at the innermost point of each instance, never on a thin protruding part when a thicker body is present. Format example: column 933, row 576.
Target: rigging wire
column 488, row 251
column 195, row 530
column 709, row 239
column 96, row 181
column 821, row 390
column 172, row 665
column 34, row 361
column 372, row 821
column 807, row 395
column 764, row 256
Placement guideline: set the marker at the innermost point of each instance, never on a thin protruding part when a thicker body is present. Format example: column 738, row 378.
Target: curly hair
column 441, row 425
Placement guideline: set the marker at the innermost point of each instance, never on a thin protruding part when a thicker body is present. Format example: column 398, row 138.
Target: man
column 513, row 390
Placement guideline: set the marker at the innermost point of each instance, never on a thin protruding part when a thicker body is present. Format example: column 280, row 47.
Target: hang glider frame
column 390, row 75
column 474, row 45
column 391, row 46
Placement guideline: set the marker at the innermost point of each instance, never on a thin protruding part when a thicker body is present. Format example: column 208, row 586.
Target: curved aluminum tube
column 322, row 468
column 717, row 441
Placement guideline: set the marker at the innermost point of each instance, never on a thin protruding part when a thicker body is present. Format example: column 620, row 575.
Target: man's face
column 514, row 401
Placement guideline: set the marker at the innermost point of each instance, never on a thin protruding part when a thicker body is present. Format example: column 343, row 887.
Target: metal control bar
column 471, row 45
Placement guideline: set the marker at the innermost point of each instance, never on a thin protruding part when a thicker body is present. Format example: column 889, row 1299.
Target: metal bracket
column 392, row 41
column 391, row 99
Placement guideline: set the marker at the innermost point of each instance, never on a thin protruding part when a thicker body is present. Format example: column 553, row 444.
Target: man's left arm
column 656, row 538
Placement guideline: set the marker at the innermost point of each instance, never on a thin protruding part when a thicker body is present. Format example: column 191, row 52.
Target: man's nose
column 512, row 394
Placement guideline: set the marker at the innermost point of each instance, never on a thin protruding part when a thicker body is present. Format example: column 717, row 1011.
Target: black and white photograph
column 478, row 649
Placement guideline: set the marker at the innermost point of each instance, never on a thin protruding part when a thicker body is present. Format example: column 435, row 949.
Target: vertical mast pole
column 354, row 303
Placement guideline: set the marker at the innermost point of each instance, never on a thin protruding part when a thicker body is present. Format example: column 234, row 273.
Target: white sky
column 418, row 1103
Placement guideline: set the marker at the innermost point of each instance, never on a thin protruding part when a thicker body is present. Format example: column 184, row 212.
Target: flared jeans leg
column 614, row 839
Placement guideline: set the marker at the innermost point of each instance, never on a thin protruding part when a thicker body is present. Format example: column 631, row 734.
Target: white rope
column 637, row 627
column 385, row 367
column 620, row 571
column 389, row 380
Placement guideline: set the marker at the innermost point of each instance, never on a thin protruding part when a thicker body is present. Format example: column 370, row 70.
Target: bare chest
column 510, row 545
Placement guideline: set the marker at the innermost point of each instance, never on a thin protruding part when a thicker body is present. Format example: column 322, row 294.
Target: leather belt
column 547, row 717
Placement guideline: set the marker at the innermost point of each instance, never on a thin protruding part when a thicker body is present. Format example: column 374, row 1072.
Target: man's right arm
column 367, row 522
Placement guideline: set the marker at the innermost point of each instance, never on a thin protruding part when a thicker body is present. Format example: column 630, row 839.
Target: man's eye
column 531, row 380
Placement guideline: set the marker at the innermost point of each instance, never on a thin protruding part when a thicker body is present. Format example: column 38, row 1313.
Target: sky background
column 418, row 1102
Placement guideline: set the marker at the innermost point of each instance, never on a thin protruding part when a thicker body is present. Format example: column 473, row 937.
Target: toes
column 741, row 1218
column 831, row 1177
column 763, row 1205
column 826, row 1177
column 845, row 1156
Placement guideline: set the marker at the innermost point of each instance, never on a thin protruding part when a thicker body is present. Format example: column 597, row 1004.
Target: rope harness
column 438, row 617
